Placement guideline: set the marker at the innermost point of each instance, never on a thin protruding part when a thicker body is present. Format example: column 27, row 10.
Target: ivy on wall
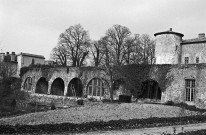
column 134, row 75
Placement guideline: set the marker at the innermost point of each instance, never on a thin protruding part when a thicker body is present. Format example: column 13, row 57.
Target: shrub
column 170, row 102
column 189, row 107
column 92, row 99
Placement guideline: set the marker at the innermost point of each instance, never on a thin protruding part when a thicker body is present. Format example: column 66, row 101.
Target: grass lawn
column 98, row 112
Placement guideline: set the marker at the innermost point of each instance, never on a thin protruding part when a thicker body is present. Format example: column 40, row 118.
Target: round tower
column 168, row 48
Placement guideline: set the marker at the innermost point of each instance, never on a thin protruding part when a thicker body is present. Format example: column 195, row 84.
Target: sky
column 33, row 26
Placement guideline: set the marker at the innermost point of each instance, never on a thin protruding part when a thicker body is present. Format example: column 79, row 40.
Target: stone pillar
column 65, row 90
column 49, row 86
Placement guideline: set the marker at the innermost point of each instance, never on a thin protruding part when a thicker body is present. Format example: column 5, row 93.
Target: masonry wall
column 85, row 74
column 176, row 90
column 192, row 51
column 170, row 78
column 167, row 49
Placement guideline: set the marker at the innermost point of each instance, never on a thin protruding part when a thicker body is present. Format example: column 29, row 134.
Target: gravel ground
column 98, row 112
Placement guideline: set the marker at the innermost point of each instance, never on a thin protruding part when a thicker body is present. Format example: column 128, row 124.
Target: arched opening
column 96, row 88
column 28, row 84
column 42, row 86
column 57, row 87
column 75, row 88
column 150, row 89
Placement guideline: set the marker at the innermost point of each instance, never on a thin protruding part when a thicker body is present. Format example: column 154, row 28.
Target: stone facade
column 194, row 51
column 172, row 49
column 66, row 74
column 170, row 79
column 188, row 71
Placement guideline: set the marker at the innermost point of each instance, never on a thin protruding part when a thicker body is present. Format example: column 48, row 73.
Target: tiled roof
column 169, row 32
column 194, row 40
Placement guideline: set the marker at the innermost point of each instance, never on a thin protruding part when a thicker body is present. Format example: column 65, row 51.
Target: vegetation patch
column 185, row 106
column 100, row 125
column 135, row 74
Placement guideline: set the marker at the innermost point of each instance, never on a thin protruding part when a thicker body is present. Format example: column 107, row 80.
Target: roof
column 31, row 55
column 169, row 32
column 194, row 40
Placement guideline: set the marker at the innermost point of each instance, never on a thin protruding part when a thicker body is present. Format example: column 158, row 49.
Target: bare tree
column 75, row 43
column 97, row 52
column 59, row 53
column 148, row 48
column 132, row 50
column 115, row 38
column 7, row 69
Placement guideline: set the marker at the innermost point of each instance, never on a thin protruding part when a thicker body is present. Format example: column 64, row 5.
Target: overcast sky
column 33, row 26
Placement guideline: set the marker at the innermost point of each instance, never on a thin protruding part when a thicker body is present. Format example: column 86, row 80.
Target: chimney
column 2, row 55
column 7, row 53
column 170, row 29
column 13, row 56
column 201, row 35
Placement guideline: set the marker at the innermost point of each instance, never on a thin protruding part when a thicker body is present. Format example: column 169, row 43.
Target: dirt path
column 152, row 131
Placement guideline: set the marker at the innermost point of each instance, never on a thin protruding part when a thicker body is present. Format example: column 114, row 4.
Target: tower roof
column 169, row 32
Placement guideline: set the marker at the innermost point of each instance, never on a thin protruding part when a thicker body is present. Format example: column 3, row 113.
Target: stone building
column 179, row 75
column 172, row 49
column 187, row 58
column 26, row 59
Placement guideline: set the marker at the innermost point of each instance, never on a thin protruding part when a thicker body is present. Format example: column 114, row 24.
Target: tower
column 168, row 47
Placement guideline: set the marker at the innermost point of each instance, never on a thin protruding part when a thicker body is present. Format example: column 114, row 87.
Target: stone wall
column 176, row 91
column 192, row 51
column 85, row 74
column 170, row 79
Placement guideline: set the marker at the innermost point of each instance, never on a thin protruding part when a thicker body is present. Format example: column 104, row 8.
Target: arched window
column 96, row 87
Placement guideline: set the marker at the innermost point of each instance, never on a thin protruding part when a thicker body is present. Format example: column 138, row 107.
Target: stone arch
column 28, row 84
column 150, row 89
column 57, row 87
column 97, row 87
column 42, row 86
column 75, row 88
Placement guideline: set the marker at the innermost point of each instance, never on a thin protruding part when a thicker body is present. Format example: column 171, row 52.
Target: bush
column 92, row 99
column 185, row 106
column 170, row 102
column 190, row 107
column 100, row 125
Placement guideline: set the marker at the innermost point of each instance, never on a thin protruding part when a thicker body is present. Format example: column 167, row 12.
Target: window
column 197, row 59
column 96, row 87
column 186, row 60
column 33, row 61
column 190, row 89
